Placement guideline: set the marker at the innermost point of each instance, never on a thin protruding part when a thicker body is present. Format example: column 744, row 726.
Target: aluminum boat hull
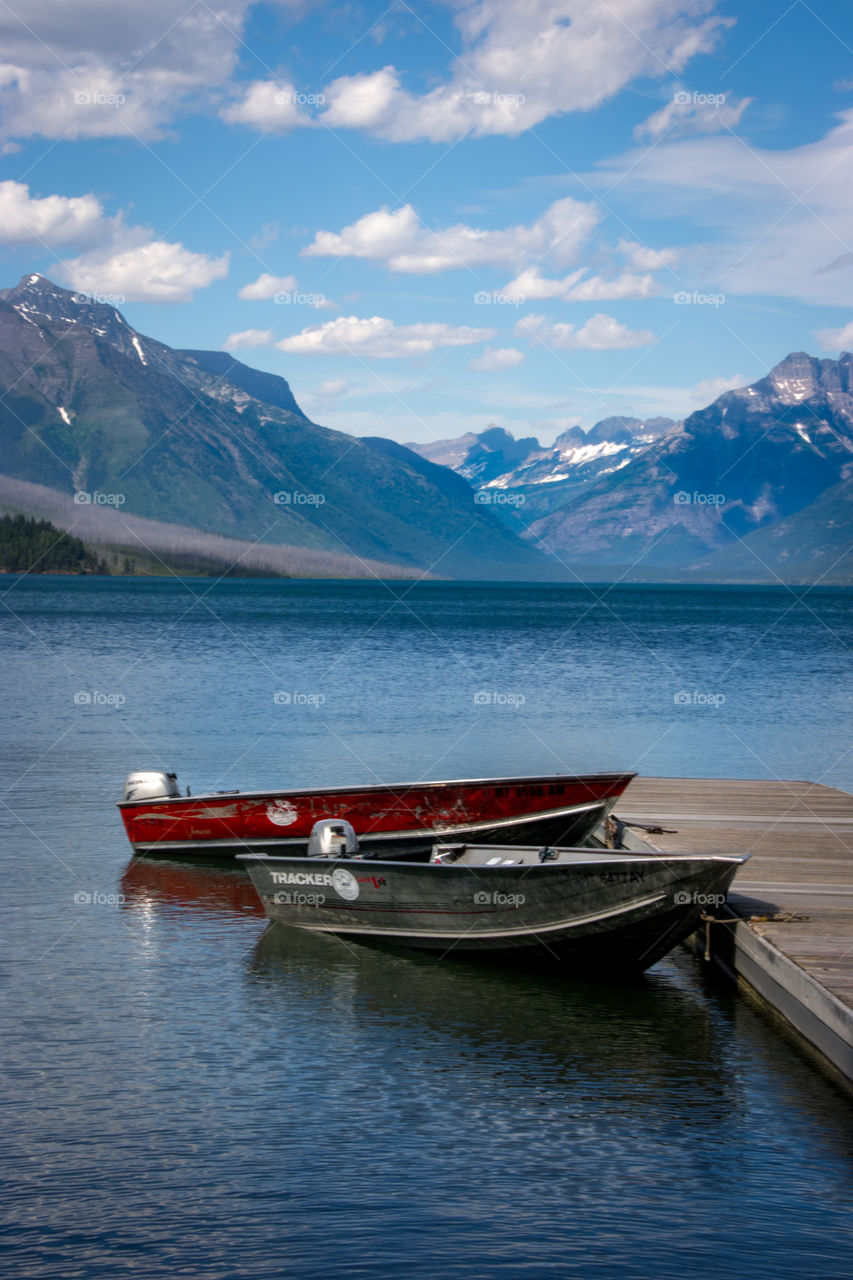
column 609, row 910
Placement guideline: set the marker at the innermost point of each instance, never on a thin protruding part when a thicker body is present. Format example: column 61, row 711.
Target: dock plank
column 799, row 836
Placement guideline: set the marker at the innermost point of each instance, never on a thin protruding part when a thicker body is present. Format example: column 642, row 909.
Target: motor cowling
column 332, row 838
column 150, row 784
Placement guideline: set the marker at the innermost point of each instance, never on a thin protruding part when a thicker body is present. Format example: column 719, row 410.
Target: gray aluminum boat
column 615, row 911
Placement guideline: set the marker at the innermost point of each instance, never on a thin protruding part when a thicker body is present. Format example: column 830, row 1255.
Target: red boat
column 403, row 819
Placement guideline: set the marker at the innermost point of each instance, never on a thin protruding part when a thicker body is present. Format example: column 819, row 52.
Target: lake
column 191, row 1094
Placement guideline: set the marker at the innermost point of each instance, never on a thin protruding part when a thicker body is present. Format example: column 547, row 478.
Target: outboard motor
column 332, row 838
column 151, row 785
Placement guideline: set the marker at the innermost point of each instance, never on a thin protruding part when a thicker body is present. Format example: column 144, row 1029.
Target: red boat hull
column 407, row 818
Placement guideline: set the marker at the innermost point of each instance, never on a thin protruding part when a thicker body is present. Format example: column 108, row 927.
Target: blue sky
column 430, row 217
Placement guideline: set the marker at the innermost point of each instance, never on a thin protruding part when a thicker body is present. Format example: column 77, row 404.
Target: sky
column 432, row 217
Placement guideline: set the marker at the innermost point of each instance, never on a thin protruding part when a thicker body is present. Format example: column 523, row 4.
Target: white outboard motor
column 332, row 838
column 151, row 785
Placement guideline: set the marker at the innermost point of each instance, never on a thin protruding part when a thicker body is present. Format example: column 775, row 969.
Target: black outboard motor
column 332, row 838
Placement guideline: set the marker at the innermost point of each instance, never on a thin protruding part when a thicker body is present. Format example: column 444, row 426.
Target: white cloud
column 378, row 338
column 642, row 258
column 836, row 339
column 248, row 338
column 267, row 286
column 361, row 101
column 379, row 235
column 600, row 333
column 140, row 64
column 126, row 260
column 495, row 359
column 47, row 220
column 706, row 392
column 690, row 113
column 331, row 388
column 627, row 285
column 531, row 285
column 144, row 269
column 523, row 63
column 100, row 69
column 274, row 106
column 403, row 243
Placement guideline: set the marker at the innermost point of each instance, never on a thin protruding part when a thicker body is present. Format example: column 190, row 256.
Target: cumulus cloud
column 47, row 220
column 248, row 338
column 836, row 339
column 400, row 240
column 600, row 333
column 362, row 101
column 267, row 286
column 521, row 64
column 274, row 106
column 124, row 260
column 495, row 359
column 378, row 338
column 691, row 113
column 143, row 269
column 101, row 69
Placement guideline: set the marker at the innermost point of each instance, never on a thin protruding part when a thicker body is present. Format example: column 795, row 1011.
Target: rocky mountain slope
column 89, row 406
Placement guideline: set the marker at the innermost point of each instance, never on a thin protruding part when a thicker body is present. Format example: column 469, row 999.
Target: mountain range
column 524, row 480
column 758, row 485
column 195, row 438
column 174, row 444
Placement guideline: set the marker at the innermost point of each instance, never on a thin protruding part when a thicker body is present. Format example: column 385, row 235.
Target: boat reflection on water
column 568, row 1021
column 178, row 887
column 675, row 1048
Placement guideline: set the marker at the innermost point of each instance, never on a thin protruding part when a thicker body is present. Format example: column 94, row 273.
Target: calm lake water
column 191, row 1094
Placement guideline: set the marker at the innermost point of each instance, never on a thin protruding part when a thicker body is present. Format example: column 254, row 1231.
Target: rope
column 780, row 917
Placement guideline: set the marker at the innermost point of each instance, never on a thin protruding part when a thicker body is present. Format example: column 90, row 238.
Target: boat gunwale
column 375, row 787
column 609, row 858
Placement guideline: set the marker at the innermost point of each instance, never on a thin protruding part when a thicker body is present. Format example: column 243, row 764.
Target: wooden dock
column 790, row 930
